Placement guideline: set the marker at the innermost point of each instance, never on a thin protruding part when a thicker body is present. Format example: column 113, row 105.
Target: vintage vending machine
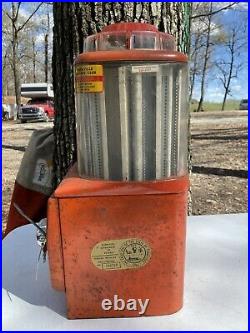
column 116, row 223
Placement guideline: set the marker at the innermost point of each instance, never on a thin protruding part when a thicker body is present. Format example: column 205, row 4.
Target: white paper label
column 145, row 69
column 42, row 174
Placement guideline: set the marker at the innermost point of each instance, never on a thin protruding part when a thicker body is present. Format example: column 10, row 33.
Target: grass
column 211, row 106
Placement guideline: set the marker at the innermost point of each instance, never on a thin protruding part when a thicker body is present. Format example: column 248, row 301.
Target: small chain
column 41, row 233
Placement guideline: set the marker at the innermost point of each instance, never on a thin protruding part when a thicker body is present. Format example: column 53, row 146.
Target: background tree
column 46, row 29
column 198, row 34
column 46, row 49
column 206, row 35
column 207, row 54
column 17, row 26
column 73, row 22
column 229, row 66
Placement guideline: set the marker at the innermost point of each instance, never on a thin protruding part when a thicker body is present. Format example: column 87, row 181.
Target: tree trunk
column 34, row 59
column 204, row 72
column 194, row 59
column 192, row 82
column 228, row 82
column 227, row 85
column 46, row 50
column 15, row 60
column 46, row 57
column 73, row 21
column 224, row 101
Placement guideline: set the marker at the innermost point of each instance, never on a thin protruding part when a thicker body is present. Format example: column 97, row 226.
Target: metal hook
column 28, row 219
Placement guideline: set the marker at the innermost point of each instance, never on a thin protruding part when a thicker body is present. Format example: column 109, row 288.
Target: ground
column 231, row 104
column 219, row 158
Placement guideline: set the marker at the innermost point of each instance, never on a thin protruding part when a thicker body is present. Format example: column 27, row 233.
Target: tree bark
column 194, row 59
column 46, row 62
column 229, row 78
column 228, row 82
column 46, row 50
column 34, row 59
column 224, row 100
column 73, row 21
column 15, row 60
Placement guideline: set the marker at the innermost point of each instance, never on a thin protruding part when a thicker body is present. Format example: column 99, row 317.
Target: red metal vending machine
column 116, row 223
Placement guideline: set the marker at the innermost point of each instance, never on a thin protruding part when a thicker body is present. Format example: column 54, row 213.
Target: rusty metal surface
column 159, row 219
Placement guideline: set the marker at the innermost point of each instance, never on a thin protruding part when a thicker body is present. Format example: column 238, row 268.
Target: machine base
column 117, row 248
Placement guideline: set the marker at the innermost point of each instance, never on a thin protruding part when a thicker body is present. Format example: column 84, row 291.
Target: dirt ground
column 219, row 158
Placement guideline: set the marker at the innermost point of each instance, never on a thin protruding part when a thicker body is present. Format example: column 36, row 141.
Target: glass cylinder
column 135, row 125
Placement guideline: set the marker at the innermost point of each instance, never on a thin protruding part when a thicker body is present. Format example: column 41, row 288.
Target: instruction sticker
column 121, row 254
column 145, row 69
column 89, row 78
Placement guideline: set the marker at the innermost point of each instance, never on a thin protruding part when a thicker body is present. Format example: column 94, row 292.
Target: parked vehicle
column 243, row 104
column 40, row 106
column 5, row 112
column 34, row 90
column 37, row 109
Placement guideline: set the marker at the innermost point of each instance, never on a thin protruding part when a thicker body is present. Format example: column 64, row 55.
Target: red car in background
column 40, row 106
column 37, row 109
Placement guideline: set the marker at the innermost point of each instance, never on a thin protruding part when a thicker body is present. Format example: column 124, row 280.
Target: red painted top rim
column 129, row 26
column 131, row 55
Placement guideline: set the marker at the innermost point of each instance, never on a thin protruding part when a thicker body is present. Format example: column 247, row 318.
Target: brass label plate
column 121, row 254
